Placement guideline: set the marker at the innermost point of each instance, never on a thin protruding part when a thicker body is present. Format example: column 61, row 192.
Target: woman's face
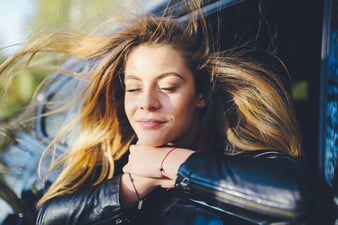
column 160, row 96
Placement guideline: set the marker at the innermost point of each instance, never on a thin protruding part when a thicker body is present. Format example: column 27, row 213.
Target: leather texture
column 263, row 187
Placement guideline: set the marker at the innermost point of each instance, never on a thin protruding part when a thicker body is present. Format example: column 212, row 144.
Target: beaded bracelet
column 140, row 200
column 164, row 158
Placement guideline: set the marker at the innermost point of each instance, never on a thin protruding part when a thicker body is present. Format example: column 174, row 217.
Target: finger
column 132, row 148
column 126, row 169
column 167, row 183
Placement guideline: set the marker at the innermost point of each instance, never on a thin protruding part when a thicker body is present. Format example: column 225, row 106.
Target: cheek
column 128, row 107
column 185, row 108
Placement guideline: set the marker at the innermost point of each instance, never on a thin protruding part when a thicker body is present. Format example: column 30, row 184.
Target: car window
column 58, row 101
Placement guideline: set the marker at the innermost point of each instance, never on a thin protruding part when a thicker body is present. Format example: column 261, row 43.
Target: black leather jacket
column 264, row 187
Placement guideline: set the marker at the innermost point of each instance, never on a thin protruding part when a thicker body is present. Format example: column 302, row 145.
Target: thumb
column 126, row 169
column 167, row 183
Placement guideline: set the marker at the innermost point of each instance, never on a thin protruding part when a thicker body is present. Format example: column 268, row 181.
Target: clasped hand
column 146, row 162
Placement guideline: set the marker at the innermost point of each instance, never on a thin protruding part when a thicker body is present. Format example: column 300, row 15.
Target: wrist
column 162, row 170
column 135, row 188
column 171, row 160
column 144, row 184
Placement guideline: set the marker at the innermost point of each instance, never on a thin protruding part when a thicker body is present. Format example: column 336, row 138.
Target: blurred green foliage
column 70, row 14
column 16, row 92
column 51, row 15
column 300, row 91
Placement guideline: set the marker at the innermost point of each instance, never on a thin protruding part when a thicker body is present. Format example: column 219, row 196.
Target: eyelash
column 133, row 90
column 171, row 89
column 167, row 89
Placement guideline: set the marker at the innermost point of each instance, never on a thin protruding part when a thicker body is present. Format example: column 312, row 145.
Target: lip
column 150, row 123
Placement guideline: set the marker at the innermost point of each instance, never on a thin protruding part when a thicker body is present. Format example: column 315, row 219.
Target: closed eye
column 133, row 90
column 168, row 89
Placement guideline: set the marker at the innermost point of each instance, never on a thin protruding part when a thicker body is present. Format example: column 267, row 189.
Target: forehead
column 155, row 59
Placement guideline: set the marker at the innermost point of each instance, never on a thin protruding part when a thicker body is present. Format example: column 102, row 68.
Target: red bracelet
column 164, row 158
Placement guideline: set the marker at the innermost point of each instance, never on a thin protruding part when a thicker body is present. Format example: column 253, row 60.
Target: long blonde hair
column 105, row 131
column 254, row 110
column 258, row 109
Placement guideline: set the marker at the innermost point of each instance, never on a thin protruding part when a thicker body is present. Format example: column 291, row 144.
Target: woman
column 174, row 133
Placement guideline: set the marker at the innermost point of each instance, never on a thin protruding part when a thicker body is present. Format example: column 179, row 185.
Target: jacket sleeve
column 267, row 185
column 93, row 205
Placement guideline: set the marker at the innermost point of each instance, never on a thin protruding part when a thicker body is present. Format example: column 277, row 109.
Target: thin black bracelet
column 140, row 200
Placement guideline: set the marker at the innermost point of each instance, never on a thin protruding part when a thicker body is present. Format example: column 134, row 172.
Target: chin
column 151, row 142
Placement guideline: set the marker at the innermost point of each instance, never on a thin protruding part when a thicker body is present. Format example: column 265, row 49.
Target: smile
column 150, row 124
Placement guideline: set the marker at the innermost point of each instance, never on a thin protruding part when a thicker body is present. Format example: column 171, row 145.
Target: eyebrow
column 161, row 76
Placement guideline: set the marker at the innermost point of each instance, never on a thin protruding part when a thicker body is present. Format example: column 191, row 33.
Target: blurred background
column 307, row 40
column 308, row 44
column 20, row 18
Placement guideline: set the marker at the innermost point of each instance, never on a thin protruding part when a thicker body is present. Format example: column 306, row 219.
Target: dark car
column 305, row 34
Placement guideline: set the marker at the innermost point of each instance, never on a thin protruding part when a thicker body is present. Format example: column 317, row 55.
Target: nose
column 149, row 101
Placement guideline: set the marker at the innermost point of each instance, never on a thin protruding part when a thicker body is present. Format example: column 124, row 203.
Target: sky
column 13, row 14
column 13, row 17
